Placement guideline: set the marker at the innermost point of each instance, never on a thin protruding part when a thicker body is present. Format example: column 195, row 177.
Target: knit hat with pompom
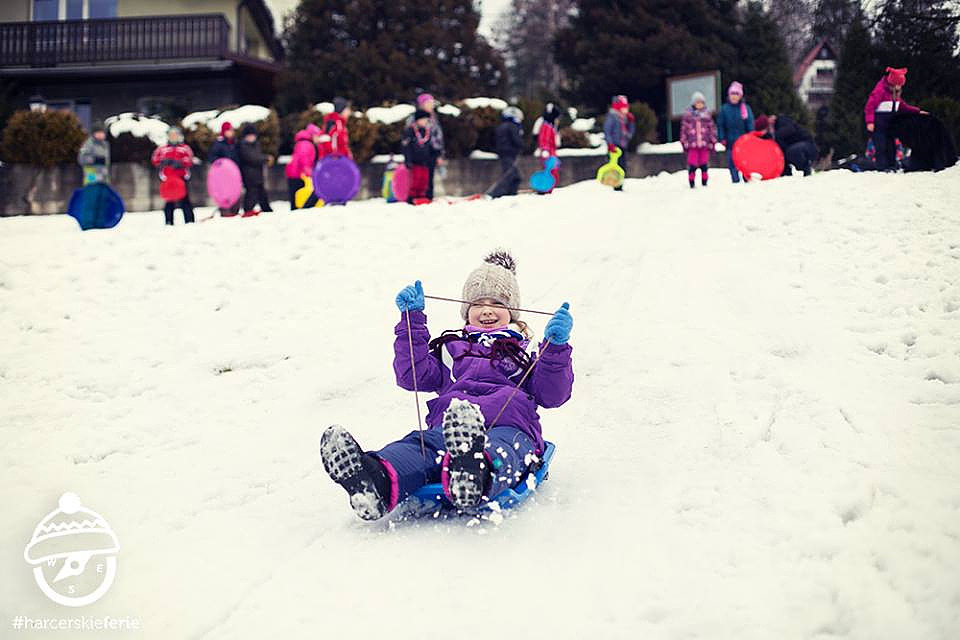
column 496, row 279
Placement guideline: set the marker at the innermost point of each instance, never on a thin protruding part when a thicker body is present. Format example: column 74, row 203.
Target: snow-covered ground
column 763, row 440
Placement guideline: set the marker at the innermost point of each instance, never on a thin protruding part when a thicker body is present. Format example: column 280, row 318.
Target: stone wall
column 138, row 185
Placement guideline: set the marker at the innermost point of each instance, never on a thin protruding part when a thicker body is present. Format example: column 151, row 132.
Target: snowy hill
column 763, row 440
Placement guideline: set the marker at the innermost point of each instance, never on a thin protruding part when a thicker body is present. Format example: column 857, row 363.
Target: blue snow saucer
column 431, row 499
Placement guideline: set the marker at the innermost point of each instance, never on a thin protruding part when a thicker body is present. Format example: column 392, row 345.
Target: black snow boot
column 464, row 437
column 360, row 474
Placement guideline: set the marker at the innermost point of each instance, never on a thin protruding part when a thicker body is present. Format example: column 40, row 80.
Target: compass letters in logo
column 74, row 554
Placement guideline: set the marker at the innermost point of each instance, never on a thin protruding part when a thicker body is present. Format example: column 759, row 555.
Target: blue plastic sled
column 96, row 206
column 429, row 499
column 543, row 181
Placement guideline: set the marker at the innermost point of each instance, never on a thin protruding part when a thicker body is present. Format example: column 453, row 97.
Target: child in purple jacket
column 482, row 437
column 698, row 135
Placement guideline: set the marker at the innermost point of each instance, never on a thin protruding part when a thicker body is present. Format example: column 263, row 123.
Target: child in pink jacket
column 883, row 103
column 698, row 135
column 302, row 161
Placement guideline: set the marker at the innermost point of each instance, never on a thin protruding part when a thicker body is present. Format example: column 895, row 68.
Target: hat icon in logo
column 74, row 553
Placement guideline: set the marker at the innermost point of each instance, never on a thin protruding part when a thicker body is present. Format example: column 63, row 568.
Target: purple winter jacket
column 463, row 372
column 697, row 130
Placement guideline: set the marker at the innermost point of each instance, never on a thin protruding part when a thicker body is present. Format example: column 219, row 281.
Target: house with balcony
column 815, row 75
column 102, row 57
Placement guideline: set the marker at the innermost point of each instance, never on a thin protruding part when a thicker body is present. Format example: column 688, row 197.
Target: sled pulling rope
column 522, row 380
column 413, row 365
column 416, row 392
column 500, row 306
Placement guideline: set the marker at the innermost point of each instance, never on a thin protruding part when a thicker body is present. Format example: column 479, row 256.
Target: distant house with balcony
column 815, row 76
column 102, row 57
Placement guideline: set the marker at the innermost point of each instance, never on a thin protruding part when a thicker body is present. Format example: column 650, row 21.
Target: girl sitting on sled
column 486, row 431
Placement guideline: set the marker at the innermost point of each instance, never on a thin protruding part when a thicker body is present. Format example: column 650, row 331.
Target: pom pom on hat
column 495, row 279
column 896, row 77
column 503, row 258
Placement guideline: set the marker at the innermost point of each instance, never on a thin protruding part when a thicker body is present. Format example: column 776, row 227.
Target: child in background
column 94, row 156
column 175, row 159
column 225, row 146
column 252, row 160
column 734, row 120
column 427, row 103
column 883, row 103
column 509, row 144
column 335, row 138
column 301, row 164
column 618, row 129
column 698, row 135
column 419, row 156
column 548, row 138
column 474, row 372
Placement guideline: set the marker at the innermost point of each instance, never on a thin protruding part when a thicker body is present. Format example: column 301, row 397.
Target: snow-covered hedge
column 202, row 127
column 134, row 136
column 467, row 125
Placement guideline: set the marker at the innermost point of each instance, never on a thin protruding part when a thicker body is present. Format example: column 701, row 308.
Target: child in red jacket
column 335, row 140
column 174, row 160
column 548, row 138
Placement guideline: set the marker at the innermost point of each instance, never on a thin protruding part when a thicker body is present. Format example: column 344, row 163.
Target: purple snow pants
column 509, row 450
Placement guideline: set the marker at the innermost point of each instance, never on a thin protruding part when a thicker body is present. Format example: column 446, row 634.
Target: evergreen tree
column 857, row 73
column 794, row 18
column 631, row 46
column 832, row 18
column 763, row 68
column 921, row 35
column 525, row 36
column 377, row 50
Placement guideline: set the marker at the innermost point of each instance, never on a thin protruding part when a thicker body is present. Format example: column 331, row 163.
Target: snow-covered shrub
column 42, row 139
column 646, row 123
column 570, row 138
column 459, row 133
column 485, row 122
column 201, row 128
column 134, row 136
column 363, row 136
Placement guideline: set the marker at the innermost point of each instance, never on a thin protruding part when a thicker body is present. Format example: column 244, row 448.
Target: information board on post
column 680, row 88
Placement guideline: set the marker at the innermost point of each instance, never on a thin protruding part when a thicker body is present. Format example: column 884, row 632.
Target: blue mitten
column 411, row 297
column 559, row 326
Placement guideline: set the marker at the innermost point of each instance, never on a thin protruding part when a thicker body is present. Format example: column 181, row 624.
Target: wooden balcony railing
column 48, row 44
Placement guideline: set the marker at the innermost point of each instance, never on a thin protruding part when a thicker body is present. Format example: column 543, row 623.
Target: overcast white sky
column 491, row 10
